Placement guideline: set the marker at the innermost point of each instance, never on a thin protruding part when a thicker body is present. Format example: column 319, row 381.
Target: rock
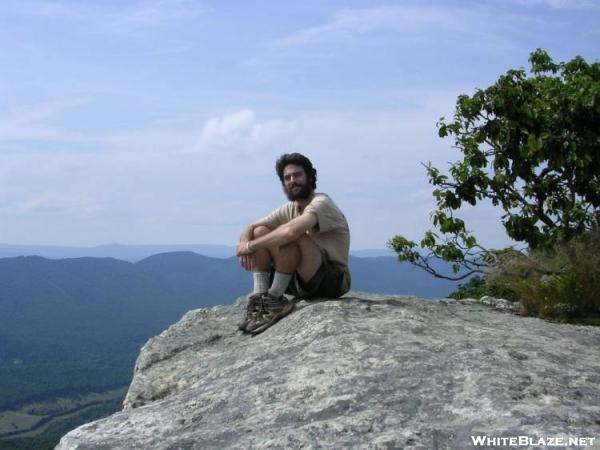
column 501, row 304
column 365, row 371
column 498, row 304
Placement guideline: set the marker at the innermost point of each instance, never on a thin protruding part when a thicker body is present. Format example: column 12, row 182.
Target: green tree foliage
column 531, row 146
column 561, row 282
column 478, row 286
column 37, row 443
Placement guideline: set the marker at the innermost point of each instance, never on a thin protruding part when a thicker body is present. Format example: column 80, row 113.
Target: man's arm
column 247, row 259
column 248, row 232
column 282, row 235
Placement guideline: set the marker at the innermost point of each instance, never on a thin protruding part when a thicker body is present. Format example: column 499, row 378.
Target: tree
column 530, row 145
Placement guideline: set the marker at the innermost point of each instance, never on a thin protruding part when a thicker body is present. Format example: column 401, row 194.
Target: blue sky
column 160, row 121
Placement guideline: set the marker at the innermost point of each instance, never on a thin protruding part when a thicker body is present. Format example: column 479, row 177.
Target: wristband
column 248, row 249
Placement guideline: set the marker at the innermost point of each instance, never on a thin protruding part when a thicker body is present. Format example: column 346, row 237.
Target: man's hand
column 247, row 259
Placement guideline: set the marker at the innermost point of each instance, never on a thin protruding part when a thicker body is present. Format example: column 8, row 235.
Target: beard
column 304, row 192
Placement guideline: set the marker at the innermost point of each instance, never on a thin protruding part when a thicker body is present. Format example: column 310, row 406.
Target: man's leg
column 261, row 273
column 302, row 256
column 317, row 275
column 286, row 259
column 310, row 259
column 273, row 305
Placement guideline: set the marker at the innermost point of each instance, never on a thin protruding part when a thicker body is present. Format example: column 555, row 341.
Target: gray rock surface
column 366, row 371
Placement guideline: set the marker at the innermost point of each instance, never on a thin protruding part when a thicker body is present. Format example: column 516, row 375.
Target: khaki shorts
column 332, row 280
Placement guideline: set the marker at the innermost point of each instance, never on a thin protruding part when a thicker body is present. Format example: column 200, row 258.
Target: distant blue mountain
column 130, row 253
column 384, row 274
column 135, row 253
column 372, row 253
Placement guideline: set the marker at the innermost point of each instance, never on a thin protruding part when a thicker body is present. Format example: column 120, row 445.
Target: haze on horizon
column 159, row 121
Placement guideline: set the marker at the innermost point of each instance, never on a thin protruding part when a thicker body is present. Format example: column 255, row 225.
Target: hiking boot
column 270, row 310
column 251, row 310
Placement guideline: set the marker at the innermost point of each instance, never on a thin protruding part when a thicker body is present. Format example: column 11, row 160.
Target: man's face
column 295, row 183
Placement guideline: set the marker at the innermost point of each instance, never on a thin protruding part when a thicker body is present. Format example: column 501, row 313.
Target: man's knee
column 259, row 231
column 290, row 250
column 303, row 246
column 306, row 244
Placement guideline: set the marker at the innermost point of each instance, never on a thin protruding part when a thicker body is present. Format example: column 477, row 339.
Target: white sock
column 261, row 282
column 280, row 284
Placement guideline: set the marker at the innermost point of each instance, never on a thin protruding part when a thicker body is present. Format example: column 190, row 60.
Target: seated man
column 300, row 248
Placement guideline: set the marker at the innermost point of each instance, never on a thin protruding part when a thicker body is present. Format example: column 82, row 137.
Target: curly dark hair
column 298, row 160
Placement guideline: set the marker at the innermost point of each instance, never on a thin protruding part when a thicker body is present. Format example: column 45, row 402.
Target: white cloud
column 123, row 19
column 151, row 13
column 31, row 121
column 557, row 4
column 379, row 19
column 44, row 124
column 481, row 24
column 26, row 114
column 240, row 132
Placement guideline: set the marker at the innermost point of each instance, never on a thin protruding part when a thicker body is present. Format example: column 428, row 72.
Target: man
column 300, row 248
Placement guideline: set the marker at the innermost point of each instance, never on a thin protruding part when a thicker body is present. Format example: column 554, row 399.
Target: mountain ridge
column 134, row 253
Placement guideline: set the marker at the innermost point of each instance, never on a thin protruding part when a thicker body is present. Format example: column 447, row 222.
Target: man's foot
column 270, row 310
column 251, row 310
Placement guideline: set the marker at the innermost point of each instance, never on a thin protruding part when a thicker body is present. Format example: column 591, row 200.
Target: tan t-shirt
column 331, row 232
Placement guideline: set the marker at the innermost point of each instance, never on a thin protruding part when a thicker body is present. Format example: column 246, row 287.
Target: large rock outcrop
column 365, row 371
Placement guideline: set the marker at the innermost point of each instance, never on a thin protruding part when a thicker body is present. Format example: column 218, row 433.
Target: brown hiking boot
column 270, row 310
column 251, row 310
